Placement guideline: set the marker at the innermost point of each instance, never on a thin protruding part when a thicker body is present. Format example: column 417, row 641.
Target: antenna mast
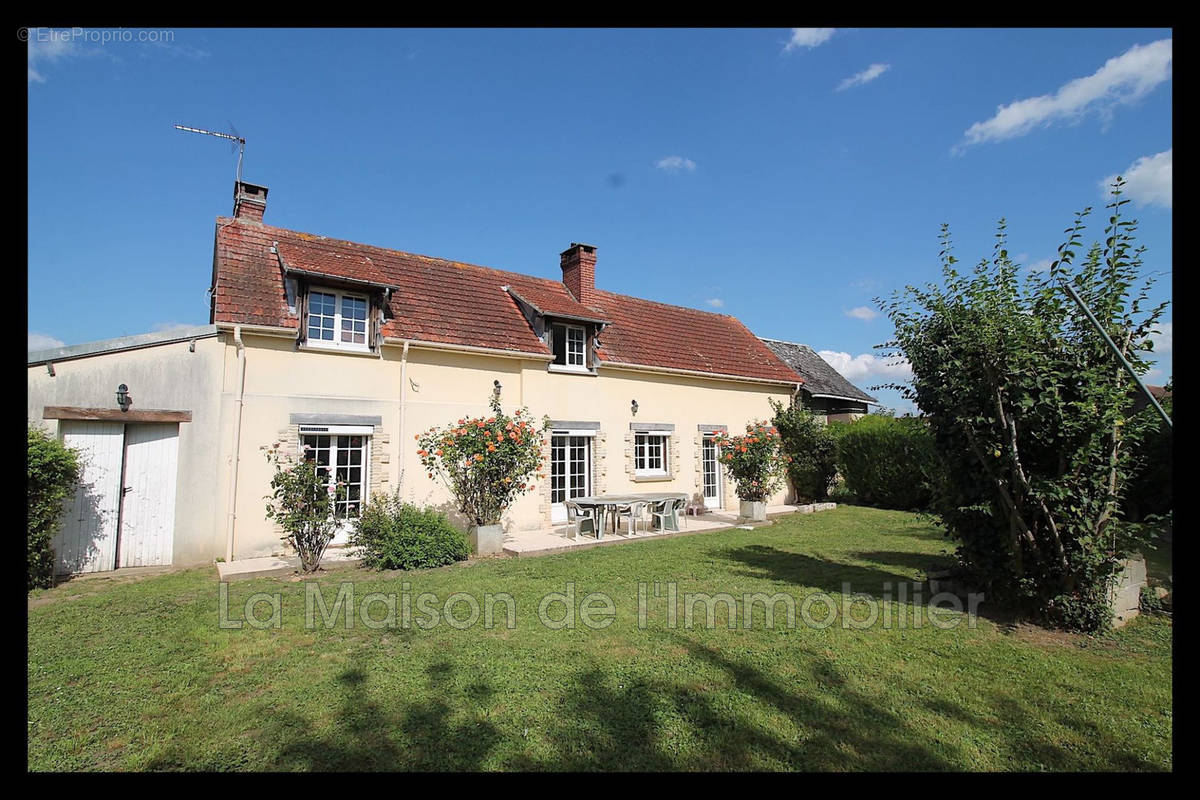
column 238, row 142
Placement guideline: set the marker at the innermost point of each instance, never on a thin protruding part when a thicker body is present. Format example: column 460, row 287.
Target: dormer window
column 569, row 343
column 337, row 319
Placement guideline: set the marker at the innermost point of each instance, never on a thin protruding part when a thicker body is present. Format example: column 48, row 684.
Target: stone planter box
column 752, row 511
column 487, row 540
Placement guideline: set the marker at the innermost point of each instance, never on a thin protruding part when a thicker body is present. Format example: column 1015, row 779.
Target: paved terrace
column 557, row 539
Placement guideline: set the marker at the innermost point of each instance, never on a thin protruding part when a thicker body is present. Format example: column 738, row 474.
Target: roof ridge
column 346, row 242
column 672, row 305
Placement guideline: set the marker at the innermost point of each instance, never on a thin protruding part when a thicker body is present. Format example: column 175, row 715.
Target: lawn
column 137, row 674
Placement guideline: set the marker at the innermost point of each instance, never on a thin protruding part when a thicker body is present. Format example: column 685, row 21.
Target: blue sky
column 784, row 176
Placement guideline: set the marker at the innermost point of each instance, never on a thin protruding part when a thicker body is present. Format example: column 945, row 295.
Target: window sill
column 570, row 370
column 652, row 478
column 348, row 351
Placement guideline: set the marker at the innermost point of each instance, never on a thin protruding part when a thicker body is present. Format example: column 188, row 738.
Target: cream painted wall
column 166, row 376
column 440, row 387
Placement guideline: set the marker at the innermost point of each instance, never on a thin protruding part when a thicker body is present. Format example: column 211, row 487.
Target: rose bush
column 755, row 460
column 302, row 502
column 486, row 462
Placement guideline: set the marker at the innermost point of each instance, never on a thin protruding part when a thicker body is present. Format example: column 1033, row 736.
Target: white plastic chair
column 635, row 512
column 667, row 514
column 583, row 520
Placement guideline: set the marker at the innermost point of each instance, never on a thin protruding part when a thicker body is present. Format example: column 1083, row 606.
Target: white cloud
column 866, row 365
column 47, row 47
column 1147, row 181
column 863, row 312
column 808, row 37
column 1041, row 265
column 866, row 76
column 43, row 341
column 675, row 164
column 715, row 302
column 1122, row 79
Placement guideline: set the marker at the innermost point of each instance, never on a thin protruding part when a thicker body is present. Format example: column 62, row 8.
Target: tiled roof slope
column 819, row 377
column 450, row 302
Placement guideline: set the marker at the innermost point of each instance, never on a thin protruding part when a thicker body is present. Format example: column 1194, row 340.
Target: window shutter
column 375, row 328
column 303, row 291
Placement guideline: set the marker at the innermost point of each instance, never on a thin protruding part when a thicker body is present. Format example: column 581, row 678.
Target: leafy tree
column 810, row 449
column 1031, row 413
column 1148, row 496
column 52, row 470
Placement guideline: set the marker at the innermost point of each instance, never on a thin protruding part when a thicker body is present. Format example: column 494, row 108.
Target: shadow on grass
column 772, row 563
column 669, row 725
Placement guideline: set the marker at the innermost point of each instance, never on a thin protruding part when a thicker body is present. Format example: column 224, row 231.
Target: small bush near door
column 53, row 470
column 395, row 535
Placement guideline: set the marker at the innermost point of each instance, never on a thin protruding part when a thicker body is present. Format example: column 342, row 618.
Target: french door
column 570, row 472
column 342, row 456
column 711, row 472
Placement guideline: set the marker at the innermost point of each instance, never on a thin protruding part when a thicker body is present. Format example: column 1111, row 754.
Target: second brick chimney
column 249, row 201
column 579, row 271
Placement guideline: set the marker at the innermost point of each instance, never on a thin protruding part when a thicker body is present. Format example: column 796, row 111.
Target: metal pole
column 1112, row 346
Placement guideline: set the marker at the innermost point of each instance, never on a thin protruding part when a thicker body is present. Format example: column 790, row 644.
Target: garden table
column 607, row 503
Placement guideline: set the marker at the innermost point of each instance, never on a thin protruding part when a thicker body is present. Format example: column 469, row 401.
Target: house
column 354, row 350
column 825, row 391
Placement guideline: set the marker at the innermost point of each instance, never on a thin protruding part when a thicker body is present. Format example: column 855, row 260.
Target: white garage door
column 123, row 513
column 87, row 540
column 148, row 513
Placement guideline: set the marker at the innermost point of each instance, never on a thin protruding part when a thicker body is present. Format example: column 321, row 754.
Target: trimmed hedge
column 52, row 471
column 887, row 462
column 391, row 534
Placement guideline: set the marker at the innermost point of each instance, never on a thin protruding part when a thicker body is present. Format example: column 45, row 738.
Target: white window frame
column 589, row 438
column 339, row 296
column 642, row 447
column 367, row 432
column 567, row 329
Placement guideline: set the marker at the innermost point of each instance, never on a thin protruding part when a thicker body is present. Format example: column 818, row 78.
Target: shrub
column 1032, row 413
column 302, row 503
column 810, row 450
column 754, row 460
column 395, row 535
column 486, row 462
column 887, row 461
column 52, row 472
column 1148, row 494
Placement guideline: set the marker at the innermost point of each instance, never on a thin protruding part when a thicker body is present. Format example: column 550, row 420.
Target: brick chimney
column 579, row 271
column 249, row 201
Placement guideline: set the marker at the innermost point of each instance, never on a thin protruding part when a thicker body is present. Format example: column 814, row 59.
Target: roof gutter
column 697, row 373
column 394, row 341
column 277, row 331
column 849, row 399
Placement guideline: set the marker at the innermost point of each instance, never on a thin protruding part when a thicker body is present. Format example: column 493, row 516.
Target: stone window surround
column 379, row 481
column 599, row 463
column 672, row 464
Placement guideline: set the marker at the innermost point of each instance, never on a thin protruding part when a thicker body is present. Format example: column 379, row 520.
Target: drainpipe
column 237, row 441
column 400, row 443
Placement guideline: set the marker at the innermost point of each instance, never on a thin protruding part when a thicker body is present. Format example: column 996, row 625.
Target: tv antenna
column 237, row 142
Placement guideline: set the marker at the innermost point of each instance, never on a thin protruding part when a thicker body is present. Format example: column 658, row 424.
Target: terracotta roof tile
column 455, row 303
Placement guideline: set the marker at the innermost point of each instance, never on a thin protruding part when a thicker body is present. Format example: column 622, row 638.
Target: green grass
column 136, row 674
